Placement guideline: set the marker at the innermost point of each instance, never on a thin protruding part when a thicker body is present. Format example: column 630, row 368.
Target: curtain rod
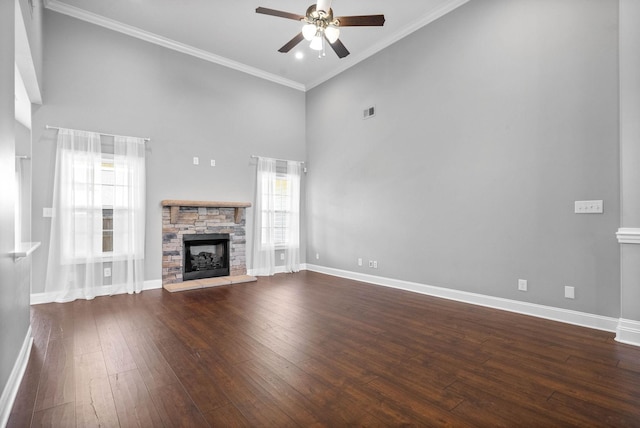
column 101, row 133
column 282, row 160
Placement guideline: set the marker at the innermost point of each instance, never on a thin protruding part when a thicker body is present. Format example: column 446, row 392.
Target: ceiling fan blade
column 361, row 21
column 279, row 13
column 291, row 43
column 338, row 48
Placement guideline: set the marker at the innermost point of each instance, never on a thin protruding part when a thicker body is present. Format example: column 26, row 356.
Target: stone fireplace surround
column 180, row 217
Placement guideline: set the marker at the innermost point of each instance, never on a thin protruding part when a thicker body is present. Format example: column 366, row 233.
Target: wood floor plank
column 117, row 355
column 152, row 366
column 94, row 399
column 197, row 380
column 134, row 405
column 176, row 408
column 302, row 411
column 57, row 381
column 85, row 334
column 322, row 395
column 594, row 410
column 63, row 415
column 246, row 394
column 226, row 416
column 308, row 349
column 61, row 318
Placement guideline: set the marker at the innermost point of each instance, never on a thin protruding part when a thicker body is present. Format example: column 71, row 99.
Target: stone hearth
column 202, row 217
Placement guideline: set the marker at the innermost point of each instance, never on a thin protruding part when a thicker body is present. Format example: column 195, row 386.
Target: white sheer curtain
column 263, row 255
column 74, row 268
column 128, row 215
column 98, row 217
column 292, row 246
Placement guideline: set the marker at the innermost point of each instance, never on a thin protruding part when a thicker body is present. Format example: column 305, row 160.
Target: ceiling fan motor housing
column 320, row 18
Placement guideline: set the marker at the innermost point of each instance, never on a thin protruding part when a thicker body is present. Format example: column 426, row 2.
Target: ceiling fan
column 320, row 25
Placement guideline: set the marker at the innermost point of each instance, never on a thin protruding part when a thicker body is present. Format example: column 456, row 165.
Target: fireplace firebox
column 205, row 255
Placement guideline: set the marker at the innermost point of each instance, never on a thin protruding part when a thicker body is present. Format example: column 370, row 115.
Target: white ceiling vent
column 369, row 112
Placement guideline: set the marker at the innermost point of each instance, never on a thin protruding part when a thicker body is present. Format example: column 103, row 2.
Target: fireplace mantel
column 175, row 204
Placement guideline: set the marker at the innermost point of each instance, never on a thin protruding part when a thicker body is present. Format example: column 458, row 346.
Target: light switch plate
column 589, row 207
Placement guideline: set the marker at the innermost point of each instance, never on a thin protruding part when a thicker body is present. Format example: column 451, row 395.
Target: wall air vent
column 369, row 112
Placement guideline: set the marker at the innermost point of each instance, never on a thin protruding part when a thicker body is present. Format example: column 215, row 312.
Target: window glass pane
column 107, row 230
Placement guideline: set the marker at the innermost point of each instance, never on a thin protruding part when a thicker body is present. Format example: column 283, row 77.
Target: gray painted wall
column 490, row 123
column 100, row 80
column 14, row 300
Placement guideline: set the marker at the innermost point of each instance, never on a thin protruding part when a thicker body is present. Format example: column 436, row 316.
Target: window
column 277, row 225
column 277, row 218
column 93, row 190
column 282, row 209
column 108, row 183
column 98, row 195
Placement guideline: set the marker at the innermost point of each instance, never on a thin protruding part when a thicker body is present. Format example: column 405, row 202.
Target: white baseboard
column 106, row 290
column 279, row 269
column 628, row 332
column 153, row 284
column 548, row 312
column 15, row 378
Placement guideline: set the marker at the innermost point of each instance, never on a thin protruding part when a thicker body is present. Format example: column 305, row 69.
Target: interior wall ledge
column 628, row 235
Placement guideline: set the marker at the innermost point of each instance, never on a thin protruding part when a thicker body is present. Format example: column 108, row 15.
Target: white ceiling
column 233, row 34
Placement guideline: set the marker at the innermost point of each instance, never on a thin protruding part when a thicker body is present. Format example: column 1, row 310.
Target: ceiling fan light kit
column 320, row 25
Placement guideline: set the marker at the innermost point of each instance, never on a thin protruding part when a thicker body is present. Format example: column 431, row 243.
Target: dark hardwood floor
column 314, row 350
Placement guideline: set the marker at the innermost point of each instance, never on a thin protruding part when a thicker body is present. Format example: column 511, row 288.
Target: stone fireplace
column 203, row 244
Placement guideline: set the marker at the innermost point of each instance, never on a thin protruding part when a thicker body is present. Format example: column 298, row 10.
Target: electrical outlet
column 213, row 162
column 107, row 272
column 196, row 160
column 281, row 256
column 317, row 256
column 522, row 284
column 370, row 263
column 375, row 264
column 359, row 261
column 570, row 292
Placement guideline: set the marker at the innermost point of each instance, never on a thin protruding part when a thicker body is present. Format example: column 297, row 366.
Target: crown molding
column 75, row 12
column 404, row 32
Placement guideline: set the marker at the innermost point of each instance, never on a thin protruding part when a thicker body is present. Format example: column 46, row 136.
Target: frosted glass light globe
column 309, row 31
column 332, row 33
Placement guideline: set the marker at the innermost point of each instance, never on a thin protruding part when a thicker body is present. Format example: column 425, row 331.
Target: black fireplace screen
column 205, row 256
